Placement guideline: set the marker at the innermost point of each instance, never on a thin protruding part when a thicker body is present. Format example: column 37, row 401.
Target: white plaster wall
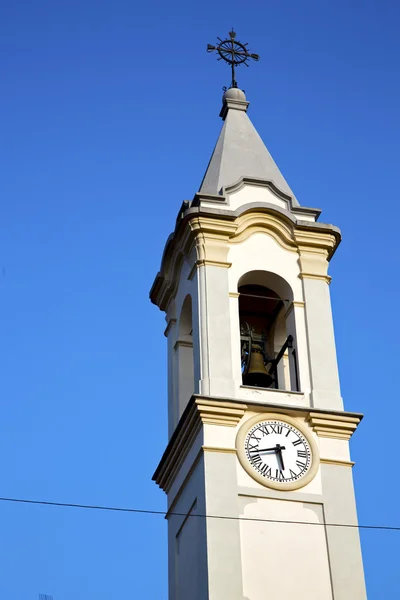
column 253, row 193
column 235, row 349
column 185, row 287
column 185, row 469
column 283, row 560
column 172, row 377
column 303, row 217
column 334, row 448
column 344, row 542
column 183, row 362
column 223, row 536
column 187, row 541
column 185, row 377
column 261, row 252
column 297, row 323
column 214, row 331
column 216, row 335
column 217, row 559
column 321, row 345
column 188, row 558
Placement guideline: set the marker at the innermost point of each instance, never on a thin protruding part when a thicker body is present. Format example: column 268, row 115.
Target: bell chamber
column 265, row 347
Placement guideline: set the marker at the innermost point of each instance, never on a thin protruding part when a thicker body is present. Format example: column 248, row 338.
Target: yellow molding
column 183, row 343
column 211, row 237
column 201, row 412
column 325, row 278
column 279, row 228
column 220, row 228
column 172, row 463
column 292, row 305
column 171, row 322
column 333, row 461
column 234, row 294
column 220, row 413
column 213, row 263
column 311, row 238
column 217, row 449
column 333, row 426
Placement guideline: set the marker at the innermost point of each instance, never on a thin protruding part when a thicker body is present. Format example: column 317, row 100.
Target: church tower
column 257, row 470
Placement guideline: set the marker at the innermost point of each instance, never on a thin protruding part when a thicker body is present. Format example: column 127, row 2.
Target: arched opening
column 267, row 345
column 184, row 356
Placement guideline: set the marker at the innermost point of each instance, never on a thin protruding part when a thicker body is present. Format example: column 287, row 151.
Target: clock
column 277, row 451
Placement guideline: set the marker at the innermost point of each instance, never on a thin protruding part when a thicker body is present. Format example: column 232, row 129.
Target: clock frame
column 251, row 470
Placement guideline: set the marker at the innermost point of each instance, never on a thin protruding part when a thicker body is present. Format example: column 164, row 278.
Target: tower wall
column 233, row 532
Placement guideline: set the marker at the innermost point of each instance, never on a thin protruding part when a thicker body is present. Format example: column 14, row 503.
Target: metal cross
column 233, row 52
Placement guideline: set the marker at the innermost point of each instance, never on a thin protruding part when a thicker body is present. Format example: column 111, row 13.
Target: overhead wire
column 192, row 514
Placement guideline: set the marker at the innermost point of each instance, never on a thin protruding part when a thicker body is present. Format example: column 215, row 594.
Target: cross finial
column 233, row 52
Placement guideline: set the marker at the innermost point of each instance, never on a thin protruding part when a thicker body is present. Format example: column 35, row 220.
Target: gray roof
column 240, row 152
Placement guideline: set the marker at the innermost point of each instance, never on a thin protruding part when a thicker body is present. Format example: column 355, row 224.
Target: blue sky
column 109, row 112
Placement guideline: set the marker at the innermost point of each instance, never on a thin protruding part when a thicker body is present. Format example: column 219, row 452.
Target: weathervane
column 233, row 52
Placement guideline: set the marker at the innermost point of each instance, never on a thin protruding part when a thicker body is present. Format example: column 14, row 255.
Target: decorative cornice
column 337, row 461
column 177, row 449
column 199, row 196
column 339, row 426
column 218, row 449
column 312, row 238
column 220, row 413
column 200, row 411
column 326, row 278
column 183, row 343
column 278, row 226
column 209, row 236
column 171, row 323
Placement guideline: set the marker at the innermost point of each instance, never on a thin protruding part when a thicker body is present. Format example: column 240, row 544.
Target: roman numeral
column 256, row 460
column 281, row 476
column 252, row 447
column 289, row 430
column 300, row 465
column 292, row 474
column 301, row 453
column 297, row 442
column 266, row 471
column 276, row 428
column 253, row 435
column 264, row 429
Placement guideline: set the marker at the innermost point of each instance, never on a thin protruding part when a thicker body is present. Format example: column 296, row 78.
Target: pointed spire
column 240, row 152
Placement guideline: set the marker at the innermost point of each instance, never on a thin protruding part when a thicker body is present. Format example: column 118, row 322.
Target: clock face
column 278, row 452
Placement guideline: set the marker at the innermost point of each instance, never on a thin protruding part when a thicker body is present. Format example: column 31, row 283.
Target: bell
column 257, row 375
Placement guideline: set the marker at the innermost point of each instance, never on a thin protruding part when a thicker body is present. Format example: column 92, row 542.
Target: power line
column 202, row 516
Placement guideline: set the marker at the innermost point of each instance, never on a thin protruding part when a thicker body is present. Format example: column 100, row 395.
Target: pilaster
column 314, row 252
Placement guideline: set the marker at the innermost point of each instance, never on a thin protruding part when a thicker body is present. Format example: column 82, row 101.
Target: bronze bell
column 257, row 375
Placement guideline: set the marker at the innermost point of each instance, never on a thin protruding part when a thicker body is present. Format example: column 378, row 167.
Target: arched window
column 267, row 346
column 184, row 356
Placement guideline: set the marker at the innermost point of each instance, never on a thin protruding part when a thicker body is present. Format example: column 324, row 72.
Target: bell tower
column 257, row 470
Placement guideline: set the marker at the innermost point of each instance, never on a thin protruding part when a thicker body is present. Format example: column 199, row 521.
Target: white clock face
column 278, row 451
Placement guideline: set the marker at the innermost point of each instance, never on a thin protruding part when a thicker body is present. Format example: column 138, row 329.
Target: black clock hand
column 279, row 449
